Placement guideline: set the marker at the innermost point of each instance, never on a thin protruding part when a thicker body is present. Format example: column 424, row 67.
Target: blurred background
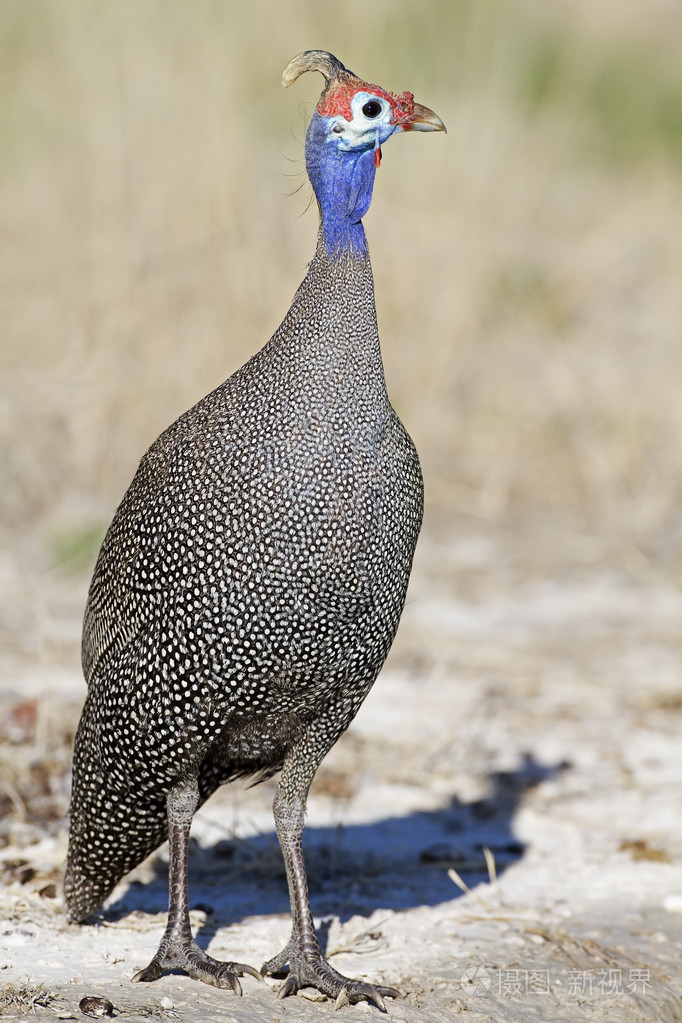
column 156, row 221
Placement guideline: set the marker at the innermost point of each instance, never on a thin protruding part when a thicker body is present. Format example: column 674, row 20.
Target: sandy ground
column 531, row 707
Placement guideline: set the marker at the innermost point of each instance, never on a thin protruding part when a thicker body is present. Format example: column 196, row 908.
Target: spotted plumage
column 250, row 585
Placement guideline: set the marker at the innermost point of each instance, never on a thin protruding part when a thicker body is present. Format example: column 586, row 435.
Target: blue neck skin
column 342, row 182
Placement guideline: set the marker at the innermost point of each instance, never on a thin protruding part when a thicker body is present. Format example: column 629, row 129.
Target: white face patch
column 371, row 118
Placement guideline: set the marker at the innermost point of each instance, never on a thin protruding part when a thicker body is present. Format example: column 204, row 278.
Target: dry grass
column 527, row 265
column 22, row 999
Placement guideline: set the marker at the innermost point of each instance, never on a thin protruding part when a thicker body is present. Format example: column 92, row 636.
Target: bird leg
column 178, row 949
column 307, row 965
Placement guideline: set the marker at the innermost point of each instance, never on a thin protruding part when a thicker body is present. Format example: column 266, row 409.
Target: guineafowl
column 250, row 585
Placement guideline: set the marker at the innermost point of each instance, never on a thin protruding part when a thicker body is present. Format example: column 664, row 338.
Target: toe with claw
column 188, row 957
column 314, row 971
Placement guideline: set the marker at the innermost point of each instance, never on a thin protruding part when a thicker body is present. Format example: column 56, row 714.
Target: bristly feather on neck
column 342, row 182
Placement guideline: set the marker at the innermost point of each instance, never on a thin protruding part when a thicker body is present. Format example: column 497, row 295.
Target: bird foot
column 315, row 971
column 185, row 955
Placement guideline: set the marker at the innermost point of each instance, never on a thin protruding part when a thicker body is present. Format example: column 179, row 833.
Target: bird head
column 351, row 121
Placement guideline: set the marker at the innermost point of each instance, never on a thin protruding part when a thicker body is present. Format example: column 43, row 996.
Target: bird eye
column 372, row 108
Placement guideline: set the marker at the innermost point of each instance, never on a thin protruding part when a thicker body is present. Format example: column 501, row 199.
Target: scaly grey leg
column 307, row 964
column 178, row 950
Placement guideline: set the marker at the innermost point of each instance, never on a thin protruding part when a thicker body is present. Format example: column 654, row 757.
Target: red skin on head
column 339, row 99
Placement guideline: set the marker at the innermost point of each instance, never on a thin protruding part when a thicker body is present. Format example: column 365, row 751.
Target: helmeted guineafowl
column 250, row 585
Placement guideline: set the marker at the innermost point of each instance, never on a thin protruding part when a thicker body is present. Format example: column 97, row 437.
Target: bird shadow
column 395, row 863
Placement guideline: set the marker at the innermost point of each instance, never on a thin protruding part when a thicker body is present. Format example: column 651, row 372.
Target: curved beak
column 423, row 119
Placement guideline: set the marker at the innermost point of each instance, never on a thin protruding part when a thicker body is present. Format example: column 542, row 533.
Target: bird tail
column 112, row 830
column 100, row 855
